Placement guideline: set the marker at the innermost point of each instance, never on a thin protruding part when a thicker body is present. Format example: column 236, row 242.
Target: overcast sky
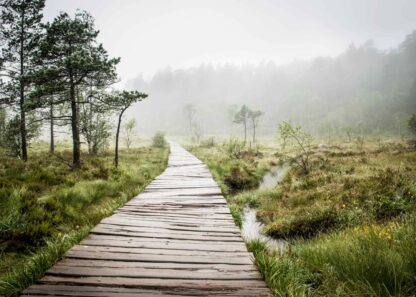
column 152, row 34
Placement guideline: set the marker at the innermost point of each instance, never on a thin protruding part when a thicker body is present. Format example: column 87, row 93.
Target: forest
column 303, row 173
column 362, row 91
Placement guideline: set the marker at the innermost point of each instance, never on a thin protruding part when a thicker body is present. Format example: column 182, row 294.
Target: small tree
column 254, row 116
column 159, row 140
column 128, row 131
column 302, row 141
column 242, row 117
column 122, row 100
column 412, row 126
column 95, row 127
column 189, row 111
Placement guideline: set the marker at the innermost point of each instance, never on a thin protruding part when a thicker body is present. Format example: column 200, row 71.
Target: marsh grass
column 45, row 207
column 351, row 222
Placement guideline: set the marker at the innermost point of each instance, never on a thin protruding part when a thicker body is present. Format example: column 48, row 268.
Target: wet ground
column 252, row 228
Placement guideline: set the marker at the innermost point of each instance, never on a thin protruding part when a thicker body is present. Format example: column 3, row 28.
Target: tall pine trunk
column 23, row 133
column 52, row 142
column 76, row 144
column 117, row 137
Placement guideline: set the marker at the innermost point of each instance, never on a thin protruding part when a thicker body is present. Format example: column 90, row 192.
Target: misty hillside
column 363, row 90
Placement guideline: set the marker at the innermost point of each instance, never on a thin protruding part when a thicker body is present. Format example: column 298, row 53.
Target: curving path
column 177, row 238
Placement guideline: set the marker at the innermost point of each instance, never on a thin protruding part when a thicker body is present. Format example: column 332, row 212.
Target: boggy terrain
column 350, row 222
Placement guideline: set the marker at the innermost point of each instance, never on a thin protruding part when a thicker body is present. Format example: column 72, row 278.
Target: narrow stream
column 273, row 177
column 252, row 228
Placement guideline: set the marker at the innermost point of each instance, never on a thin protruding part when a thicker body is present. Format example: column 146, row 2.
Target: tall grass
column 33, row 266
column 367, row 261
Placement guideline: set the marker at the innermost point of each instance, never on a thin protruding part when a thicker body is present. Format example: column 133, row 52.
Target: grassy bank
column 350, row 222
column 46, row 207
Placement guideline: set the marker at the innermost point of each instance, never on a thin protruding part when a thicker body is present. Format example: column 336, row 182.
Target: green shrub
column 234, row 148
column 306, row 225
column 241, row 176
column 207, row 143
column 158, row 140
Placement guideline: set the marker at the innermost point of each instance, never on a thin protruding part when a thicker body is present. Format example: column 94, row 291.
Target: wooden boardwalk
column 177, row 238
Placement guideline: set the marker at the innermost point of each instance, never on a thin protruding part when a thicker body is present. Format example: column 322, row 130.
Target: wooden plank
column 155, row 265
column 177, row 238
column 126, row 282
column 138, row 272
column 97, row 291
column 157, row 258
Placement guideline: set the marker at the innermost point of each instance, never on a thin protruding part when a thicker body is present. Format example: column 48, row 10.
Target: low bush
column 241, row 176
column 158, row 140
column 307, row 225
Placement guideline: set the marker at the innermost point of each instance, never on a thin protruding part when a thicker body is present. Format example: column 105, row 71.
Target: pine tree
column 20, row 32
column 121, row 101
column 72, row 60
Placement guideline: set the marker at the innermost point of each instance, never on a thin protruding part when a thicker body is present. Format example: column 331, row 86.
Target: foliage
column 12, row 135
column 121, row 101
column 234, row 148
column 71, row 59
column 95, row 128
column 254, row 116
column 242, row 117
column 20, row 32
column 209, row 142
column 233, row 168
column 412, row 126
column 302, row 141
column 158, row 140
column 128, row 132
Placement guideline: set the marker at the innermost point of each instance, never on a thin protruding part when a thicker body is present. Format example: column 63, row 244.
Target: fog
column 331, row 66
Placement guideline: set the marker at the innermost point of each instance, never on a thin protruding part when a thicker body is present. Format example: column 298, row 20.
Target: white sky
column 152, row 34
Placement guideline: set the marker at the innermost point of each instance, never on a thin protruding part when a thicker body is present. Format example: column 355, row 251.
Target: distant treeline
column 364, row 90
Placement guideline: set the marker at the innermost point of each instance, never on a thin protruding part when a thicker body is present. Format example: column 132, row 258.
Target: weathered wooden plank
column 189, row 252
column 167, row 230
column 167, row 226
column 206, row 284
column 195, row 244
column 97, row 291
column 61, row 270
column 206, row 238
column 157, row 258
column 155, row 265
